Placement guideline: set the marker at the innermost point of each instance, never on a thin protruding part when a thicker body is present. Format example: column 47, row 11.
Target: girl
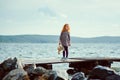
column 65, row 40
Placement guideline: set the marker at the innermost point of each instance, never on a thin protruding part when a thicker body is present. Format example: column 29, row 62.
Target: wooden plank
column 48, row 61
column 98, row 58
column 57, row 60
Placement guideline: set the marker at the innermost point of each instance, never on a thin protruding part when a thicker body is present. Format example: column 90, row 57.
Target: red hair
column 66, row 29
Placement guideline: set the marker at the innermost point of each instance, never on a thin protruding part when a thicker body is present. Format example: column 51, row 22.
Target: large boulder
column 6, row 66
column 2, row 74
column 17, row 74
column 103, row 73
column 113, row 77
column 9, row 64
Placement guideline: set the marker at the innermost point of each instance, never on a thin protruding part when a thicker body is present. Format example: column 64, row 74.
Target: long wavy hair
column 66, row 29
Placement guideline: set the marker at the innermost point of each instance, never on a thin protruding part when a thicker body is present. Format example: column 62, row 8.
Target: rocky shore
column 12, row 69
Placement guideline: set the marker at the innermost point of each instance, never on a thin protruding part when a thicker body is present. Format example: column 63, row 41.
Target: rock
column 78, row 76
column 30, row 68
column 39, row 71
column 113, row 77
column 59, row 78
column 38, row 78
column 101, row 72
column 1, row 73
column 16, row 74
column 71, row 71
column 6, row 66
column 34, row 72
column 9, row 64
column 50, row 75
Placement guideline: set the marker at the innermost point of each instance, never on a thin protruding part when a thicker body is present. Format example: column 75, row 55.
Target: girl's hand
column 69, row 44
column 59, row 43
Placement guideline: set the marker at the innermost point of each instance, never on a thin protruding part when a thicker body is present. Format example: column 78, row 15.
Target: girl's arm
column 69, row 39
column 60, row 39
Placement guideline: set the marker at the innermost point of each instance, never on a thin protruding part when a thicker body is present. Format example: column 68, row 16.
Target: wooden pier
column 49, row 61
column 78, row 64
column 69, row 60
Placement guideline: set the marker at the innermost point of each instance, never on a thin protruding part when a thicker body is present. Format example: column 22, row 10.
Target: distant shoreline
column 55, row 39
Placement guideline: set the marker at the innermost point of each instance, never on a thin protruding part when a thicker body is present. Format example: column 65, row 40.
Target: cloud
column 48, row 11
column 45, row 10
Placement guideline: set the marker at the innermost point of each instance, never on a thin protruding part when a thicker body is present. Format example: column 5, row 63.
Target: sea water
column 49, row 50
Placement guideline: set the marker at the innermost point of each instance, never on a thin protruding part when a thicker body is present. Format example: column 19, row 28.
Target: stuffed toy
column 60, row 49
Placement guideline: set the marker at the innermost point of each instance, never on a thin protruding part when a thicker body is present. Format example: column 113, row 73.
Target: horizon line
column 52, row 35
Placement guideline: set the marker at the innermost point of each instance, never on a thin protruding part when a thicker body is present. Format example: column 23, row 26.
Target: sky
column 87, row 18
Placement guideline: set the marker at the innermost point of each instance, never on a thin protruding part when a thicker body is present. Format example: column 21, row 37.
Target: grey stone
column 101, row 72
column 113, row 77
column 16, row 74
column 29, row 68
column 39, row 71
column 78, row 76
column 9, row 64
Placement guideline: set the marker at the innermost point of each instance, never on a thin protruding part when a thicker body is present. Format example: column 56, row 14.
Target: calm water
column 47, row 50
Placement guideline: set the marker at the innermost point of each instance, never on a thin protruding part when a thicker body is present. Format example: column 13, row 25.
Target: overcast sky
column 87, row 18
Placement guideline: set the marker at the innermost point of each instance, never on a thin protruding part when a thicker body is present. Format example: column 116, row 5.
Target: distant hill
column 55, row 39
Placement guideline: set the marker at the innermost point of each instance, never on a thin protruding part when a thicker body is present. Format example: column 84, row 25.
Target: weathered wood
column 98, row 58
column 57, row 60
column 48, row 61
column 46, row 66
